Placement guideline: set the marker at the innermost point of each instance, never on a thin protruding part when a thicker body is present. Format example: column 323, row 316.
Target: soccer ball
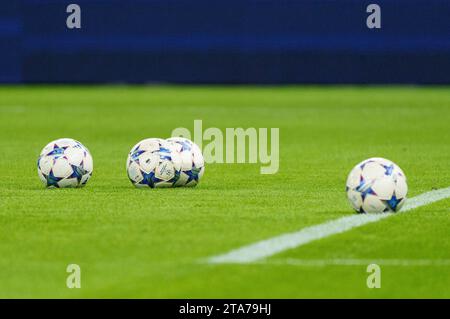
column 192, row 162
column 376, row 185
column 65, row 163
column 153, row 163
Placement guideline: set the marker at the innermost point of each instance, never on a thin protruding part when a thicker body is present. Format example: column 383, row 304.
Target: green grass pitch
column 149, row 243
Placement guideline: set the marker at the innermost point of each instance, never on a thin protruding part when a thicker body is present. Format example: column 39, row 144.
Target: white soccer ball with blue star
column 153, row 163
column 377, row 185
column 65, row 163
column 192, row 162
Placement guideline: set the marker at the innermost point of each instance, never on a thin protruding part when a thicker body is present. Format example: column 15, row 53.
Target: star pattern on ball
column 77, row 172
column 57, row 150
column 52, row 180
column 393, row 202
column 364, row 164
column 175, row 178
column 388, row 169
column 149, row 179
column 165, row 157
column 364, row 189
column 165, row 153
column 185, row 146
column 192, row 175
column 135, row 155
column 362, row 183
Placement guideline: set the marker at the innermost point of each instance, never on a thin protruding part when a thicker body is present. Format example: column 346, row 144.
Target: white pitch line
column 356, row 262
column 275, row 245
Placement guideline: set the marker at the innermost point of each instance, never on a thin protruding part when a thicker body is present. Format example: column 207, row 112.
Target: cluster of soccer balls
column 376, row 185
column 174, row 162
column 151, row 163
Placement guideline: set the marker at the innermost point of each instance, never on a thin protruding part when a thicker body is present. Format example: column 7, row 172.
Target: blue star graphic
column 185, row 146
column 78, row 172
column 164, row 153
column 52, row 180
column 165, row 157
column 361, row 183
column 389, row 169
column 135, row 155
column 393, row 203
column 364, row 189
column 57, row 150
column 366, row 192
column 175, row 178
column 149, row 179
column 192, row 175
column 164, row 150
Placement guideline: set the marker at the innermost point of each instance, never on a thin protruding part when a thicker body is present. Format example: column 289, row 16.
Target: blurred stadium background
column 230, row 42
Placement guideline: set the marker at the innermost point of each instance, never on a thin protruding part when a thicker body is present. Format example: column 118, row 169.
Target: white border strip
column 275, row 245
